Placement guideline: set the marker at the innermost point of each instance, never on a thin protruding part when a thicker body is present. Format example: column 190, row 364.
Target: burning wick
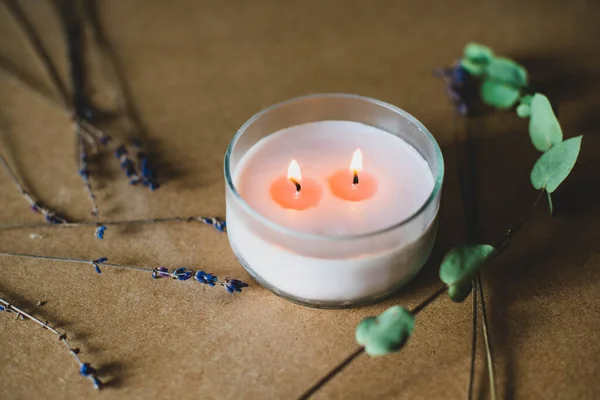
column 295, row 176
column 356, row 166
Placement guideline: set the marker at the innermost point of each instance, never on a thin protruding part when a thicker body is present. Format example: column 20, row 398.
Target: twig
column 473, row 344
column 488, row 348
column 232, row 285
column 505, row 241
column 50, row 216
column 218, row 223
column 332, row 373
column 338, row 368
column 82, row 110
column 84, row 368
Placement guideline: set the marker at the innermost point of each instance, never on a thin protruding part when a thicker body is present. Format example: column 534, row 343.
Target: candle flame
column 294, row 174
column 357, row 162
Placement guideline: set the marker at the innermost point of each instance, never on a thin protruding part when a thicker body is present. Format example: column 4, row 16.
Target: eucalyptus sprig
column 503, row 84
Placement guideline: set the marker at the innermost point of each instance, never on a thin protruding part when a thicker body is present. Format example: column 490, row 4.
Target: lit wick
column 356, row 165
column 295, row 182
column 295, row 176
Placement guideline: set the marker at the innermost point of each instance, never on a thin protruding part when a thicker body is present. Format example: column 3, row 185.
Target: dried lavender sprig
column 49, row 215
column 85, row 369
column 147, row 174
column 455, row 78
column 128, row 166
column 232, row 285
column 217, row 223
column 84, row 173
column 81, row 107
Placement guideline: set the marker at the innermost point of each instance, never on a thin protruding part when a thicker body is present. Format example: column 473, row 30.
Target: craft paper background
column 197, row 70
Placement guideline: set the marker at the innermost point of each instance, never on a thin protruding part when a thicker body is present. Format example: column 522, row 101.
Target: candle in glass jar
column 333, row 212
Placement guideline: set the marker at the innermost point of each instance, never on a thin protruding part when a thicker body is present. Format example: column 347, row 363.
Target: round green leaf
column 459, row 291
column 544, row 129
column 462, row 262
column 499, row 95
column 385, row 333
column 523, row 110
column 507, row 71
column 478, row 53
column 552, row 168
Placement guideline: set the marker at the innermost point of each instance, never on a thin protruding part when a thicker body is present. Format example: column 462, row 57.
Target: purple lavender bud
column 459, row 74
column 35, row 208
column 101, row 260
column 97, row 268
column 2, row 308
column 105, row 139
column 53, row 219
column 234, row 285
column 100, row 232
column 87, row 370
column 204, row 278
column 120, row 151
column 221, row 226
column 84, row 173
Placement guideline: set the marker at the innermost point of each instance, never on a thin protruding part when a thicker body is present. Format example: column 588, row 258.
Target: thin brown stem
column 218, row 223
column 473, row 344
column 505, row 241
column 85, row 370
column 486, row 339
column 48, row 214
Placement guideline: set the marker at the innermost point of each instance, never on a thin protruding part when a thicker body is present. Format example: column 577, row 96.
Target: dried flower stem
column 49, row 215
column 217, row 223
column 488, row 347
column 232, row 285
column 84, row 368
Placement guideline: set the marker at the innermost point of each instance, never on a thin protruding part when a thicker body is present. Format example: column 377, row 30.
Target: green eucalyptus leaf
column 552, row 168
column 473, row 68
column 478, row 53
column 462, row 262
column 459, row 291
column 386, row 332
column 544, row 129
column 524, row 110
column 507, row 71
column 550, row 203
column 499, row 95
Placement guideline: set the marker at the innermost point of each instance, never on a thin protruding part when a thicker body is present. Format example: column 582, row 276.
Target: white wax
column 332, row 270
column 323, row 148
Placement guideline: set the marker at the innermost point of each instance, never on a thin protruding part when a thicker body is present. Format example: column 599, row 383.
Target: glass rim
column 439, row 178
